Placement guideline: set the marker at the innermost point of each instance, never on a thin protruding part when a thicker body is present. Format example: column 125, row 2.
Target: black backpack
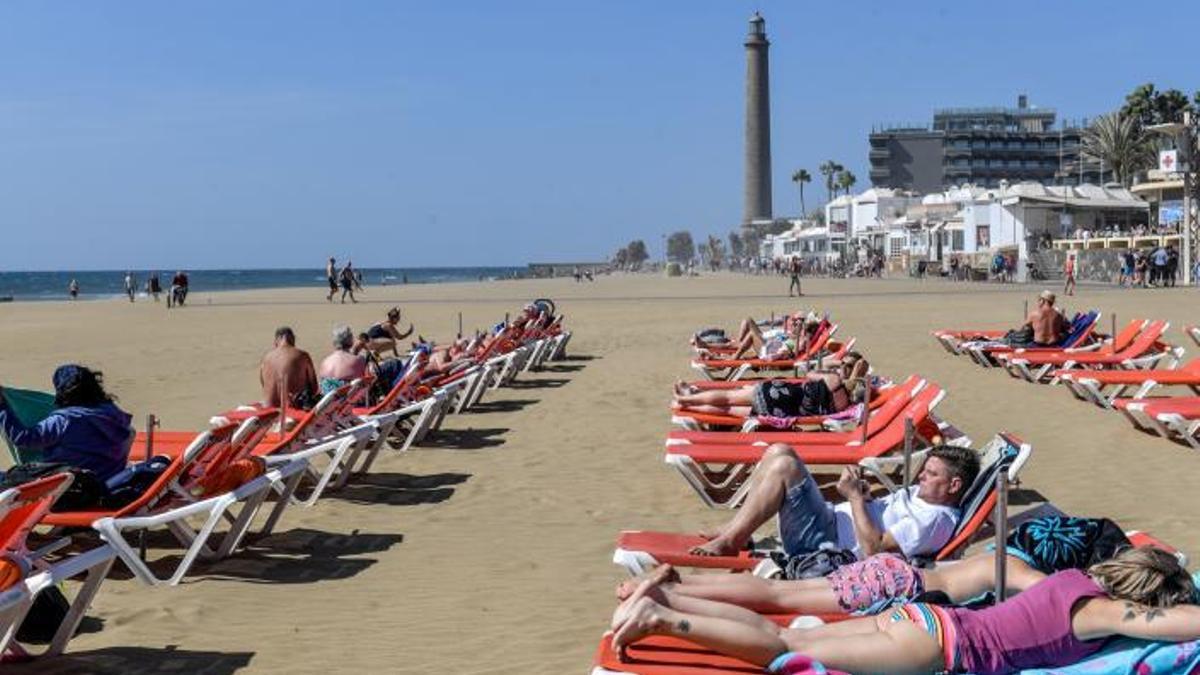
column 85, row 491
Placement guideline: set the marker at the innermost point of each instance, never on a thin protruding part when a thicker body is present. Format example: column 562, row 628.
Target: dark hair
column 286, row 333
column 963, row 463
column 85, row 389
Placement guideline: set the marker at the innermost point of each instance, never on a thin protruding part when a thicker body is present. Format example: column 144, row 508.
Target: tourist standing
column 794, row 271
column 331, row 277
column 130, row 286
column 1159, row 273
column 154, row 286
column 1172, row 266
column 179, row 290
column 1126, row 269
column 347, row 280
column 73, row 289
column 1069, row 273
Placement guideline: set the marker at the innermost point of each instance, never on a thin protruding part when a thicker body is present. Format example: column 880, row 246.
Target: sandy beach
column 488, row 551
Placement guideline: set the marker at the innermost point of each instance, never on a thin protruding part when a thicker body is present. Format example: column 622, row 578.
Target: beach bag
column 47, row 613
column 1019, row 337
column 819, row 563
column 127, row 486
column 85, row 491
column 30, row 407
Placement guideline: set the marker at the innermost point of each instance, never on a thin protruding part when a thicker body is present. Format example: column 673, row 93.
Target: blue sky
column 273, row 134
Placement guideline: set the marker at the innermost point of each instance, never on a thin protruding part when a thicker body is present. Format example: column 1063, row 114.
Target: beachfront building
column 978, row 146
column 975, row 223
column 819, row 245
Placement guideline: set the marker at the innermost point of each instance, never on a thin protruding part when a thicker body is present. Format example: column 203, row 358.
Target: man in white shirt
column 916, row 522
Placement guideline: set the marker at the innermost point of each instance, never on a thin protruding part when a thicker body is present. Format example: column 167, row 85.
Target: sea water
column 106, row 284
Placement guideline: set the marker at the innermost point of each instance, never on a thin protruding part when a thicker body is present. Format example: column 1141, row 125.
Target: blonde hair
column 1145, row 576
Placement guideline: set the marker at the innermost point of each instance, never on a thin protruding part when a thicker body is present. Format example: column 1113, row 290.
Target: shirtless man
column 287, row 364
column 1049, row 325
column 331, row 276
column 343, row 364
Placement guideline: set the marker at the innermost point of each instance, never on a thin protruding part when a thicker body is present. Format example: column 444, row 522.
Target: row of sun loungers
column 1120, row 372
column 717, row 454
column 252, row 462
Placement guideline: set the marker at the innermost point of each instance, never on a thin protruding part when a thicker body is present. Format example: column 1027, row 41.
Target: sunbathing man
column 1048, row 324
column 286, row 367
column 821, row 393
column 385, row 335
column 916, row 522
column 1062, row 619
column 1035, row 549
column 343, row 364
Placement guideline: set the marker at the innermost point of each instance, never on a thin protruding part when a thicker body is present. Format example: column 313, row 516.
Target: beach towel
column 30, row 407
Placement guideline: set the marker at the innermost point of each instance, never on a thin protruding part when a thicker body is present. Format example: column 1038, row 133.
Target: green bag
column 30, row 407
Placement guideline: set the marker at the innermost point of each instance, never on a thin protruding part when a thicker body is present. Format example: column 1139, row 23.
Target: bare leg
column 749, row 643
column 718, row 398
column 803, row 596
column 779, row 469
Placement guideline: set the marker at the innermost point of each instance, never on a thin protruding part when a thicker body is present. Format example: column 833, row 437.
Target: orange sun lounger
column 1144, row 351
column 1102, row 387
column 638, row 551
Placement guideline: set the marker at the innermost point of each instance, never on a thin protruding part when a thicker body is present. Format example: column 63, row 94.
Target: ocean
column 107, row 284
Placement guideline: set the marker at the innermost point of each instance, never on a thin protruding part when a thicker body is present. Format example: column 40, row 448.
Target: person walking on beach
column 794, row 271
column 331, row 277
column 1172, row 266
column 179, row 290
column 347, row 279
column 130, row 286
column 1069, row 273
column 154, row 286
column 73, row 289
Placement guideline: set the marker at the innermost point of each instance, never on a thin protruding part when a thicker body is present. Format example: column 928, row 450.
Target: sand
column 489, row 552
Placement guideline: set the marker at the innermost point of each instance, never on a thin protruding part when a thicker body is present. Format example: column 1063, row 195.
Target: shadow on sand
column 400, row 489
column 144, row 660
column 465, row 439
column 511, row 405
column 547, row 383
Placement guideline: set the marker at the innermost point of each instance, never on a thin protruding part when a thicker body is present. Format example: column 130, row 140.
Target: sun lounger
column 639, row 551
column 719, row 473
column 1102, row 387
column 1172, row 418
column 1144, row 352
column 878, row 418
column 188, row 489
column 985, row 352
column 21, row 509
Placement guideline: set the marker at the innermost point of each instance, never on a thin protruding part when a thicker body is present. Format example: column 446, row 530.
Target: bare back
column 286, row 364
column 1047, row 325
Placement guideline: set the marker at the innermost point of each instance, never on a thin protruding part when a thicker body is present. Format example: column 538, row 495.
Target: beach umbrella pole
column 866, row 412
column 909, row 432
column 1001, row 524
column 460, row 325
column 151, row 422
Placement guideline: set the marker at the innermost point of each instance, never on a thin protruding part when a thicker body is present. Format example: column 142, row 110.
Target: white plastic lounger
column 16, row 602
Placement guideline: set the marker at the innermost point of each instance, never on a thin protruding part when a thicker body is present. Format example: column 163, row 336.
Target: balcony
column 879, row 153
column 880, row 173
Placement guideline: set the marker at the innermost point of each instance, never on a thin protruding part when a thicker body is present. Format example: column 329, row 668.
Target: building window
column 956, row 240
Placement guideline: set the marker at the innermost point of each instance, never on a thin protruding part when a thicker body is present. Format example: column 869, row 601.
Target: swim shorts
column 876, row 579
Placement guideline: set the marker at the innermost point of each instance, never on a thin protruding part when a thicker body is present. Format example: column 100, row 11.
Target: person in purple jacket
column 86, row 430
column 1140, row 593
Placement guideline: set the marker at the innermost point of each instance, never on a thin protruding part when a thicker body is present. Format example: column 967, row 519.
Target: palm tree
column 846, row 180
column 800, row 177
column 1118, row 141
column 829, row 170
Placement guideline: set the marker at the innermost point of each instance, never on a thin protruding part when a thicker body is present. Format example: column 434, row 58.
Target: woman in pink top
column 1066, row 617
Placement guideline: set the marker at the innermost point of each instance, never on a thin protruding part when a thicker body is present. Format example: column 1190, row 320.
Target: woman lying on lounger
column 759, row 331
column 774, row 346
column 821, row 393
column 1142, row 593
column 1035, row 549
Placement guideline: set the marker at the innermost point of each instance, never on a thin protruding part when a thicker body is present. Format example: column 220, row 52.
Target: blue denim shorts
column 805, row 519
